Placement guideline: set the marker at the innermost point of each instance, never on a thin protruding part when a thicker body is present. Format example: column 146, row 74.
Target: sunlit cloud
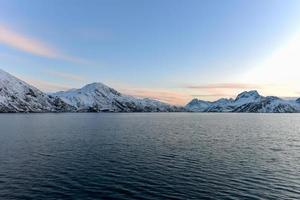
column 181, row 96
column 211, row 96
column 28, row 44
column 224, row 86
column 67, row 76
column 215, row 91
column 281, row 66
column 280, row 72
column 164, row 95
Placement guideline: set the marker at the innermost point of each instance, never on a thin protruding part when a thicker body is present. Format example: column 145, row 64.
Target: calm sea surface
column 149, row 156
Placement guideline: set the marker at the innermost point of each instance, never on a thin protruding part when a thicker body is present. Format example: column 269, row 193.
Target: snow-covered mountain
column 18, row 96
column 198, row 105
column 250, row 101
column 97, row 97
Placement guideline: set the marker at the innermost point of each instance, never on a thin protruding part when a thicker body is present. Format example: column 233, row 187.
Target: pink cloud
column 164, row 95
column 30, row 45
column 224, row 86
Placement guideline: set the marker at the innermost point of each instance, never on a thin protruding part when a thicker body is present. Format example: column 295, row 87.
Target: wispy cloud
column 67, row 76
column 28, row 44
column 164, row 95
column 281, row 66
column 224, row 86
column 182, row 95
column 209, row 95
column 215, row 91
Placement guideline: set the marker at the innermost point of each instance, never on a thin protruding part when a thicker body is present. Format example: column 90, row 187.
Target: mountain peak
column 248, row 101
column 248, row 94
column 98, row 97
column 196, row 101
column 198, row 105
column 3, row 72
column 5, row 76
column 95, row 85
column 18, row 96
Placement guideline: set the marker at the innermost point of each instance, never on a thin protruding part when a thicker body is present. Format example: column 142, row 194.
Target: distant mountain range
column 18, row 96
column 249, row 102
column 97, row 97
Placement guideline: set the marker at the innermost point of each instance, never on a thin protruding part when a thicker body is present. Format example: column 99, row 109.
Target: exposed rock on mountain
column 97, row 97
column 250, row 101
column 197, row 105
column 18, row 96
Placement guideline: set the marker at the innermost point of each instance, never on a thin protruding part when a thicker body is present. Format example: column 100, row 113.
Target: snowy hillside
column 250, row 101
column 97, row 97
column 18, row 96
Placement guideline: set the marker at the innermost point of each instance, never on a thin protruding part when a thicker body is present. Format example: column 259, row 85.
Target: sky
column 170, row 50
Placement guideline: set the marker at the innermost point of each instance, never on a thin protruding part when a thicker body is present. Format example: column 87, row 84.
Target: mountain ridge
column 247, row 101
column 100, row 97
column 18, row 96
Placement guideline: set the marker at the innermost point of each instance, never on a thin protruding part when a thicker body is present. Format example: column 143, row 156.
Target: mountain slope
column 97, row 97
column 250, row 101
column 197, row 105
column 18, row 96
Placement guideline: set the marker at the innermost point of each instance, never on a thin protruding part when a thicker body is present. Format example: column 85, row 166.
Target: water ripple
column 149, row 156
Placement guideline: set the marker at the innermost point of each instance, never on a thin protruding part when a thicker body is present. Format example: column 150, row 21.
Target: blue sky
column 172, row 50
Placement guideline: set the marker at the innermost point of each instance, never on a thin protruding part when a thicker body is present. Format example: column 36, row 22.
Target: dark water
column 149, row 156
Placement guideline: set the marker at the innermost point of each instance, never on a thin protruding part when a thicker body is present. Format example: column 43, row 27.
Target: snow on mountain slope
column 250, row 101
column 247, row 97
column 222, row 104
column 197, row 105
column 97, row 97
column 269, row 105
column 90, row 96
column 18, row 96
